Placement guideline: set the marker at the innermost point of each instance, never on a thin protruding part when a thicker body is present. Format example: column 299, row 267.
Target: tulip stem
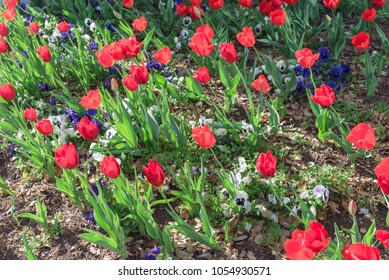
column 313, row 82
column 214, row 155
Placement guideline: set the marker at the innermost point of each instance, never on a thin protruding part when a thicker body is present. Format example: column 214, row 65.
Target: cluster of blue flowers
column 333, row 75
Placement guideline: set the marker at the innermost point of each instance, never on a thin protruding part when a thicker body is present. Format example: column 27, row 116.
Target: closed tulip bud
column 87, row 129
column 3, row 30
column 110, row 167
column 44, row 53
column 30, row 114
column 3, row 46
column 66, row 156
column 154, row 173
column 44, row 127
column 352, row 207
column 7, row 92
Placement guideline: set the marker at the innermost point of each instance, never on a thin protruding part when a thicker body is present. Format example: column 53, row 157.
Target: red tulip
column 228, row 52
column 362, row 136
column 382, row 173
column 277, row 3
column 130, row 46
column 33, row 28
column 44, row 127
column 216, row 4
column 163, row 55
column 104, row 57
column 3, row 46
column 261, row 84
column 154, row 173
column 7, row 92
column 316, row 237
column 63, row 26
column 9, row 13
column 266, row 164
column 110, row 167
column 324, row 96
column 140, row 24
column 305, row 57
column 266, row 7
column 383, row 237
column 378, row 3
column 130, row 83
column 202, row 75
column 3, row 30
column 361, row 41
column 295, row 249
column 204, row 136
column 278, row 17
column 182, row 9
column 201, row 41
column 246, row 37
column 128, row 4
column 331, row 4
column 369, row 14
column 140, row 73
column 196, row 12
column 246, row 3
column 92, row 100
column 66, row 156
column 117, row 50
column 360, row 251
column 87, row 129
column 30, row 114
column 11, row 3
column 44, row 53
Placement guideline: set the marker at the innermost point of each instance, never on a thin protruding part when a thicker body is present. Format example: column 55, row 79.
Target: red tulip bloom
column 9, row 13
column 383, row 237
column 110, row 167
column 382, row 173
column 130, row 83
column 92, row 100
column 316, row 237
column 305, row 57
column 362, row 136
column 246, row 37
column 196, row 12
column 33, row 28
column 246, row 3
column 369, row 15
column 331, row 4
column 66, row 156
column 201, row 40
column 360, row 251
column 130, row 46
column 44, row 53
column 278, row 17
column 30, row 114
column 204, row 136
column 295, row 248
column 117, row 50
column 228, row 52
column 140, row 24
column 163, row 55
column 128, row 4
column 87, row 129
column 266, row 164
column 361, row 41
column 7, row 92
column 104, row 57
column 196, row 2
column 324, row 96
column 11, row 3
column 202, row 75
column 154, row 173
column 261, row 84
column 216, row 4
column 182, row 9
column 140, row 73
column 3, row 30
column 266, row 7
column 3, row 46
column 44, row 127
column 378, row 3
column 63, row 26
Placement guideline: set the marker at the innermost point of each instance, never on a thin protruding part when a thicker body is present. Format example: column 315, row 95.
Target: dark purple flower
column 94, row 46
column 96, row 122
column 53, row 101
column 336, row 72
column 346, row 69
column 91, row 217
column 151, row 255
column 90, row 113
column 321, row 191
column 300, row 87
column 11, row 148
column 324, row 54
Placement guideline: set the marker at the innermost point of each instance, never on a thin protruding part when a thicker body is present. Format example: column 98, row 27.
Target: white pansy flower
column 241, row 199
column 246, row 180
column 110, row 133
column 242, row 164
column 281, row 65
column 220, row 132
column 272, row 199
column 93, row 27
column 97, row 156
